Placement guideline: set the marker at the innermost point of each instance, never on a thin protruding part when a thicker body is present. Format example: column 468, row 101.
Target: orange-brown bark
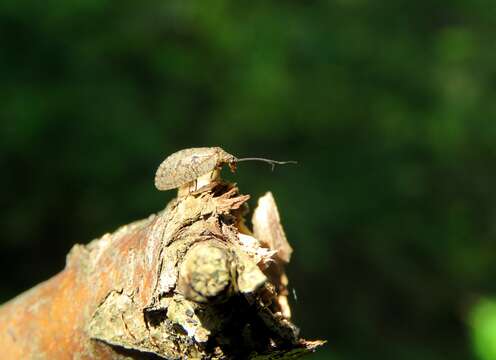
column 50, row 320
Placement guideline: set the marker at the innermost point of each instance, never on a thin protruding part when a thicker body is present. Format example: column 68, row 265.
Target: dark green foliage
column 388, row 107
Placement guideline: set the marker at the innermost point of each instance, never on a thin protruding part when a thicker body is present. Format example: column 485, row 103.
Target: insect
column 187, row 165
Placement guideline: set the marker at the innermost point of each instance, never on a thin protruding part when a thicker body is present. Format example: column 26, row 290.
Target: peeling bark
column 189, row 282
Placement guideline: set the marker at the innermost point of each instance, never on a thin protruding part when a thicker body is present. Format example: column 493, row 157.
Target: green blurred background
column 389, row 107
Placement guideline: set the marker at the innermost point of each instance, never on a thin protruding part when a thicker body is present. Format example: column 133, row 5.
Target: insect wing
column 185, row 166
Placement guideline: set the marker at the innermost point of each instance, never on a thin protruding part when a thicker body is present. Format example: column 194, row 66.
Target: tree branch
column 190, row 281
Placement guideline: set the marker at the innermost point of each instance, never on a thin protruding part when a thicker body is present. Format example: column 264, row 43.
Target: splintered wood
column 191, row 282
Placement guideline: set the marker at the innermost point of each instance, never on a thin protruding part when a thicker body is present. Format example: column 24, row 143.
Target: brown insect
column 187, row 165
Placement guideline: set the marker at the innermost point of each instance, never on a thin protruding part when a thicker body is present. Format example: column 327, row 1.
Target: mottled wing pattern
column 185, row 166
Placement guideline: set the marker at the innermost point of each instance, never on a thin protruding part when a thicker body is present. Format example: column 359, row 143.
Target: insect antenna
column 272, row 163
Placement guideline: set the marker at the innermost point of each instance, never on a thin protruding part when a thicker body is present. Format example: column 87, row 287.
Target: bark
column 189, row 282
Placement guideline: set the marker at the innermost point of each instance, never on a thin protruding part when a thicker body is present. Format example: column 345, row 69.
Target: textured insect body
column 187, row 165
